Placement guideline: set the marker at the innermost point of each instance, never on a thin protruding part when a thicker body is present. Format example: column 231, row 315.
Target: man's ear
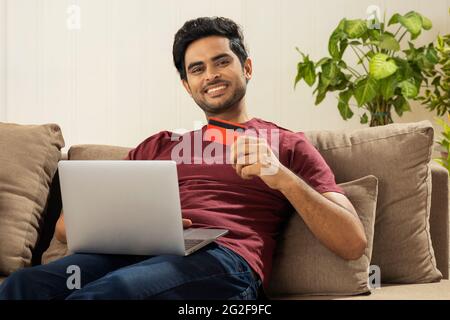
column 248, row 69
column 186, row 86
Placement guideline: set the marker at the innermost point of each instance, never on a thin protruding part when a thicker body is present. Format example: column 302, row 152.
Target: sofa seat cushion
column 422, row 291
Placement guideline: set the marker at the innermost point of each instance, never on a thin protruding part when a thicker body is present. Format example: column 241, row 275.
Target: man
column 241, row 193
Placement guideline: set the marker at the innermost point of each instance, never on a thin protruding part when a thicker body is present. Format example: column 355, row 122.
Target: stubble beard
column 226, row 105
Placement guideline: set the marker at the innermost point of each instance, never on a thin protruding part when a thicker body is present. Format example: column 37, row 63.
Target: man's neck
column 237, row 116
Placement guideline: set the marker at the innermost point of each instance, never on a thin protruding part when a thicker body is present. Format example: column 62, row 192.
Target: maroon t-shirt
column 213, row 195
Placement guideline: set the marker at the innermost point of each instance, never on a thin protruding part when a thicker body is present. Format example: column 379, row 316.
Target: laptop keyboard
column 189, row 243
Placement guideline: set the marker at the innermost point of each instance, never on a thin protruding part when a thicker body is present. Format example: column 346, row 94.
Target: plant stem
column 360, row 59
column 402, row 36
column 374, row 49
column 398, row 30
column 364, row 53
column 354, row 72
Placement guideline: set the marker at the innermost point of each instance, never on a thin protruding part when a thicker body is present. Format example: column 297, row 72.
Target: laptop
column 126, row 207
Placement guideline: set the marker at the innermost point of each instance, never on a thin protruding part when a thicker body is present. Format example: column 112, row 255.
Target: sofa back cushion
column 399, row 156
column 97, row 152
column 303, row 266
column 29, row 156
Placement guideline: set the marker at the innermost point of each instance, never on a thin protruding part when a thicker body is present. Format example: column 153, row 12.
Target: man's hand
column 253, row 157
column 187, row 223
column 60, row 229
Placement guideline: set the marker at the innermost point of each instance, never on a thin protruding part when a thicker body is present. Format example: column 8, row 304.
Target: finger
column 250, row 171
column 247, row 159
column 238, row 168
column 256, row 153
column 247, row 145
column 250, row 148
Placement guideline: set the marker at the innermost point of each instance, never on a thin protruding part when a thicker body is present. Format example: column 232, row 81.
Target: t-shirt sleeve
column 307, row 162
column 148, row 149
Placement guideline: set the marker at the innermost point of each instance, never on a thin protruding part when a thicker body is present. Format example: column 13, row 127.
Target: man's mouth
column 216, row 90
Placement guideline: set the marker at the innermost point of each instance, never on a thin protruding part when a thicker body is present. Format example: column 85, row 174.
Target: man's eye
column 223, row 62
column 195, row 70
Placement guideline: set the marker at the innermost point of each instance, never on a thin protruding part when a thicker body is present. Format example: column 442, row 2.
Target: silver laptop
column 126, row 207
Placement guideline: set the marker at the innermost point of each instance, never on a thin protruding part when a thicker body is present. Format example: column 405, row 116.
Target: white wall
column 113, row 81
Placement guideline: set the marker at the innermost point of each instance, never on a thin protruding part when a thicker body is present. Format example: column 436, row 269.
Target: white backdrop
column 113, row 82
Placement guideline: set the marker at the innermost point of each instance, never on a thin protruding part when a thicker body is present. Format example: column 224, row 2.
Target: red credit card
column 222, row 131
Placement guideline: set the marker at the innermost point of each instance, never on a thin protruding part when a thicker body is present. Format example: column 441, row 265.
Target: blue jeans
column 213, row 272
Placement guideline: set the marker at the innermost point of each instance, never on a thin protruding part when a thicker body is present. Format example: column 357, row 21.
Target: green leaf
column 394, row 19
column 388, row 42
column 374, row 34
column 432, row 55
column 364, row 119
column 306, row 71
column 299, row 73
column 401, row 105
column 426, row 23
column 412, row 22
column 409, row 89
column 322, row 61
column 322, row 86
column 344, row 108
column 355, row 28
column 365, row 90
column 309, row 73
column 387, row 86
column 329, row 72
column 404, row 69
column 342, row 64
column 381, row 66
column 333, row 47
column 440, row 43
column 321, row 94
column 333, row 43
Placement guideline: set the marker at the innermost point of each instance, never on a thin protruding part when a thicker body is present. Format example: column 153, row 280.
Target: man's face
column 215, row 77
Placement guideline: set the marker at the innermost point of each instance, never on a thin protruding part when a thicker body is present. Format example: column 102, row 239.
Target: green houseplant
column 445, row 144
column 388, row 76
column 438, row 96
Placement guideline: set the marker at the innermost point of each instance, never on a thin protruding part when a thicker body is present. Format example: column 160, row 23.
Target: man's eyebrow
column 197, row 63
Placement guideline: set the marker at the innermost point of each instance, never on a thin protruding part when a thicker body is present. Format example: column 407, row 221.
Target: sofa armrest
column 439, row 223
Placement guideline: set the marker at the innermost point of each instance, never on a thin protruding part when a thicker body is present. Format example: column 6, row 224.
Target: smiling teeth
column 216, row 89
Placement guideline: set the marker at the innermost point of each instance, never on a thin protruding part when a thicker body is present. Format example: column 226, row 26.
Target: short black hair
column 203, row 27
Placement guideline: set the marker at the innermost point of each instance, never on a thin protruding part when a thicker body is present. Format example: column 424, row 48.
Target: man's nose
column 212, row 74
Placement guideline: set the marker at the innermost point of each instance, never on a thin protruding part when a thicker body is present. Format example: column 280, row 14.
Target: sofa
column 387, row 172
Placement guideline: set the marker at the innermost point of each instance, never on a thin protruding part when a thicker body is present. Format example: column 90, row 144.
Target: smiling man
column 221, row 91
column 238, row 193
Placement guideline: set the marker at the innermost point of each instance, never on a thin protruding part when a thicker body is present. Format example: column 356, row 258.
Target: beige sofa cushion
column 29, row 156
column 399, row 156
column 97, row 152
column 302, row 265
column 422, row 291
